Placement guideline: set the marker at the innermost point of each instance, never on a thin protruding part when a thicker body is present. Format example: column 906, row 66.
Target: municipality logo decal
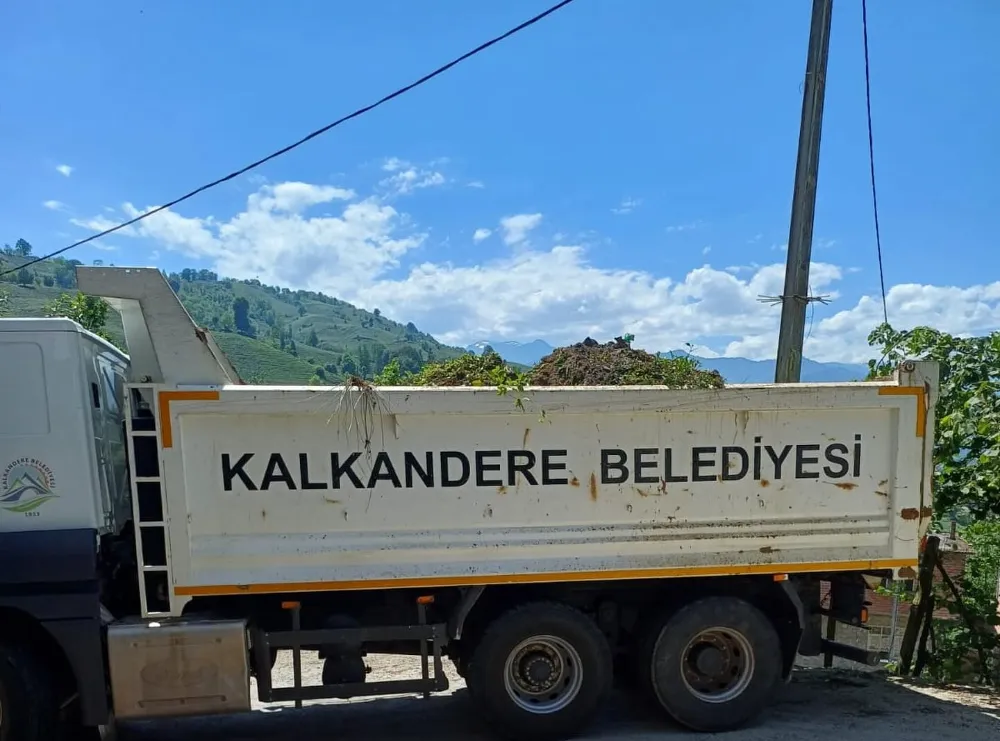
column 26, row 484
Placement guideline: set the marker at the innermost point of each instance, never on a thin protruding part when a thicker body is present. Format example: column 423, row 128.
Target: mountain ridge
column 271, row 334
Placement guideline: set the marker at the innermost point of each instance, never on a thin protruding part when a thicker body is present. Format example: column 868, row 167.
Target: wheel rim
column 717, row 665
column 543, row 674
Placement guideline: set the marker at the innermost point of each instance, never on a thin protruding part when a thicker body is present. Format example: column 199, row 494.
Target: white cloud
column 104, row 247
column 516, row 228
column 364, row 255
column 55, row 205
column 476, row 184
column 297, row 197
column 627, row 206
column 706, row 249
column 273, row 240
column 64, row 170
column 194, row 237
column 683, row 227
column 480, row 234
column 98, row 224
column 407, row 177
column 961, row 311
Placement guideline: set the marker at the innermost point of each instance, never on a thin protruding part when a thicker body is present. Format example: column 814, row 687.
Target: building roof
column 953, row 544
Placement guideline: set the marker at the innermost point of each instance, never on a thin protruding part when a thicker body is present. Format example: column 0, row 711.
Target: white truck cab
column 62, row 429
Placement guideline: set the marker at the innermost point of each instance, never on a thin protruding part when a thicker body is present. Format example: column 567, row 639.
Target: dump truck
column 166, row 530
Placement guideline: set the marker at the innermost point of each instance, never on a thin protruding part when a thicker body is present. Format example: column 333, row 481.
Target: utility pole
column 795, row 296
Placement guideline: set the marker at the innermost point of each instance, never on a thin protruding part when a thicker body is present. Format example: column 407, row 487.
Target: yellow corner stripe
column 166, row 425
column 547, row 578
column 919, row 393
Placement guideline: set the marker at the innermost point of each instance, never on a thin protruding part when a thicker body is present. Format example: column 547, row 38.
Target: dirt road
column 816, row 705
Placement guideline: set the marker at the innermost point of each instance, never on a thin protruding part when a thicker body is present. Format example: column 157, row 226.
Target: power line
column 871, row 159
column 284, row 150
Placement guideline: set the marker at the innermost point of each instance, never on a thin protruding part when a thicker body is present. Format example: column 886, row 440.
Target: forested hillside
column 271, row 334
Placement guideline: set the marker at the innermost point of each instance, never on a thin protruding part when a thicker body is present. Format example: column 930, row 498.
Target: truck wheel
column 29, row 710
column 540, row 672
column 715, row 664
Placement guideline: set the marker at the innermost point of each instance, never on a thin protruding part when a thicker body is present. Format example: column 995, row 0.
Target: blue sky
column 641, row 152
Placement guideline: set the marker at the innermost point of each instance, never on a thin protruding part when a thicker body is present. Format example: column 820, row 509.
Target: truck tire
column 29, row 709
column 715, row 664
column 540, row 672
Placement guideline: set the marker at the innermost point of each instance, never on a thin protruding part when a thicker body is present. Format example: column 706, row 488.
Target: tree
column 391, row 375
column 25, row 277
column 48, row 281
column 313, row 339
column 22, row 248
column 4, row 302
column 64, row 272
column 966, row 483
column 410, row 360
column 90, row 312
column 349, row 364
column 967, row 439
column 365, row 361
column 241, row 316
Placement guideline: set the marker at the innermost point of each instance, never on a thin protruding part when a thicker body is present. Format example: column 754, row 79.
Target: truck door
column 107, row 399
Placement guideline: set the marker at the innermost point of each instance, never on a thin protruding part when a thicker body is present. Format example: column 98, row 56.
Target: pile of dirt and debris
column 487, row 369
column 589, row 363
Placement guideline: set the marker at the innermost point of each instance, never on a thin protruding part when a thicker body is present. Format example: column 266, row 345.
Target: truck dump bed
column 284, row 489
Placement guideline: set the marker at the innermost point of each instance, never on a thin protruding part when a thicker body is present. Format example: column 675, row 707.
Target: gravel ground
column 855, row 705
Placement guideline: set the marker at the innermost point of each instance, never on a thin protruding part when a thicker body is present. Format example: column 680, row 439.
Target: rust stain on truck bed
column 847, row 485
column 912, row 513
column 593, row 487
